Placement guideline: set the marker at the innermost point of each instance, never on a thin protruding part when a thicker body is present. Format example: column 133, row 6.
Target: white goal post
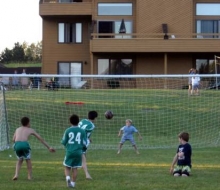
column 217, row 62
column 159, row 106
column 4, row 131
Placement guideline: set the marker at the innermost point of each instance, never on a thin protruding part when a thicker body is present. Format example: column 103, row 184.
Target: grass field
column 158, row 114
column 147, row 171
column 15, row 65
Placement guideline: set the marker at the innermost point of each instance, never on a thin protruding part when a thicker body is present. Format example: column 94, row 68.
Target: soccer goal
column 4, row 132
column 158, row 105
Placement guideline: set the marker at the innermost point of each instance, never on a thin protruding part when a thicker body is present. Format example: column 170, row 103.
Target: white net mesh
column 159, row 107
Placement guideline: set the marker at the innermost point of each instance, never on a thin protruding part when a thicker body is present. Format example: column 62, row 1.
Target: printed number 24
column 74, row 138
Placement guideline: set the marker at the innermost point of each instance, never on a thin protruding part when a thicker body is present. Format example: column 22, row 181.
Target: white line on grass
column 149, row 165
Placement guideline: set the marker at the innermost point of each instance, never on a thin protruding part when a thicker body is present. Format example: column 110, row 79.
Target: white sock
column 67, row 178
column 73, row 183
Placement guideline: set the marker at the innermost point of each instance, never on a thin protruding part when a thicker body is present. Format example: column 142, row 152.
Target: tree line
column 22, row 53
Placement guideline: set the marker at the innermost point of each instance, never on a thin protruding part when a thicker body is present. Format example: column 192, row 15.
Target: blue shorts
column 126, row 139
column 195, row 86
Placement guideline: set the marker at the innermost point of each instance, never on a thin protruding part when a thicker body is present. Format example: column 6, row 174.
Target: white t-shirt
column 195, row 79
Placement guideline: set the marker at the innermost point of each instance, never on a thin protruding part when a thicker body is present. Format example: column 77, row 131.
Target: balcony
column 60, row 8
column 155, row 43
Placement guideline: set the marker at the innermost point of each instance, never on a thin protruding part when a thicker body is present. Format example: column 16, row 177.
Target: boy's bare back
column 23, row 133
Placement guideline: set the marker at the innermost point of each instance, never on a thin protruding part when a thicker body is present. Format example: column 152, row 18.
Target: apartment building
column 129, row 36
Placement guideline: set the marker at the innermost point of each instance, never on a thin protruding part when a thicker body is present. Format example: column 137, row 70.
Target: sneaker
column 184, row 175
column 68, row 183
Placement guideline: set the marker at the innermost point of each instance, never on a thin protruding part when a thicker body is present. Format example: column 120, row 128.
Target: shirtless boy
column 22, row 148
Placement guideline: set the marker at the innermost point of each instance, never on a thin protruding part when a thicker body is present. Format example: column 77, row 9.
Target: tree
column 18, row 53
column 33, row 52
column 22, row 53
column 38, row 52
column 6, row 56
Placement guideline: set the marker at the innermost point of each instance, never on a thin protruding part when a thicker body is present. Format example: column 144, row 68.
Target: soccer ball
column 109, row 114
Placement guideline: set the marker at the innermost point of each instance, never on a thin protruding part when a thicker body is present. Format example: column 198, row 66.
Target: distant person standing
column 24, row 80
column 195, row 84
column 23, row 72
column 15, row 80
column 191, row 72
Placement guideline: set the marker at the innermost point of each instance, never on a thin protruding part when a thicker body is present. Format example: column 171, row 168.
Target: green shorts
column 73, row 159
column 182, row 170
column 22, row 150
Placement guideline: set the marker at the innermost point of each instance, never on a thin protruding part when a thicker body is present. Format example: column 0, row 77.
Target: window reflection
column 114, row 8
column 106, row 27
column 103, row 66
column 208, row 26
column 209, row 9
column 205, row 66
column 115, row 66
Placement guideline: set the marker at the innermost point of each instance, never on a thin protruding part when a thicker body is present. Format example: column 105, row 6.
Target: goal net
column 4, row 135
column 159, row 106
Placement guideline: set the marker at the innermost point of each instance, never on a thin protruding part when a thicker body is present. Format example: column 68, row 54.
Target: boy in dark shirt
column 182, row 157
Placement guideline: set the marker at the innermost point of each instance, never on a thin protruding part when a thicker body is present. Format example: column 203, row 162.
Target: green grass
column 15, row 65
column 149, row 170
column 158, row 114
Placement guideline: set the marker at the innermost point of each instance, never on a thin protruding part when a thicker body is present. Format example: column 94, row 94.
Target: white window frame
column 64, row 33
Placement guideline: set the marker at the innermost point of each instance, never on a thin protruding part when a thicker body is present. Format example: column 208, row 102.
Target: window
column 114, row 9
column 115, row 66
column 205, row 66
column 211, row 23
column 208, row 26
column 208, row 9
column 103, row 66
column 128, row 29
column 64, row 69
column 70, row 32
column 113, row 27
column 70, row 68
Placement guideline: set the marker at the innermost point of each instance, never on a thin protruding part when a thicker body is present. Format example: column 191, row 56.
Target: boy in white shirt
column 195, row 84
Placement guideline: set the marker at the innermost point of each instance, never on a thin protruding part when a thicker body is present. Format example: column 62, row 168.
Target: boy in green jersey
column 88, row 126
column 74, row 140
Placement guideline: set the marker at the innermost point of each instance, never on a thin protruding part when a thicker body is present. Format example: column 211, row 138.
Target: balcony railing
column 159, row 42
column 64, row 1
column 156, row 36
